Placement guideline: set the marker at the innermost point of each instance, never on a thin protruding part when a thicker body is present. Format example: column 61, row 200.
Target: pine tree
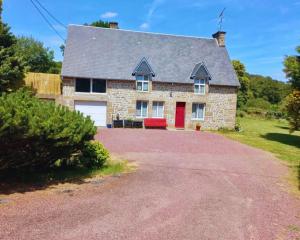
column 11, row 65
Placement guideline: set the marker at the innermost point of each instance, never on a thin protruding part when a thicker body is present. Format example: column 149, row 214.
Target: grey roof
column 143, row 68
column 93, row 52
column 200, row 72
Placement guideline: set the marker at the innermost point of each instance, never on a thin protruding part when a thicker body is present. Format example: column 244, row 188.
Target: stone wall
column 121, row 97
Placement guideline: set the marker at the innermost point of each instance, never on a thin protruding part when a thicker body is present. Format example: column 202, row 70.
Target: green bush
column 258, row 103
column 35, row 134
column 94, row 155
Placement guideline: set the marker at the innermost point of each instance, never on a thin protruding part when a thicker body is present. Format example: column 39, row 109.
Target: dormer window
column 142, row 83
column 199, row 86
column 201, row 76
column 143, row 74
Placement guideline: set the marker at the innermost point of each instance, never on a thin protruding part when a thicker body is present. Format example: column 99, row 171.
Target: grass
column 24, row 182
column 272, row 136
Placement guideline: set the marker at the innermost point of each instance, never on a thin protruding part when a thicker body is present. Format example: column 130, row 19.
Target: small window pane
column 139, row 77
column 139, row 86
column 197, row 81
column 202, row 81
column 99, row 86
column 194, row 111
column 144, row 109
column 202, row 89
column 196, row 88
column 146, row 77
column 200, row 111
column 83, row 85
column 145, row 86
column 138, row 108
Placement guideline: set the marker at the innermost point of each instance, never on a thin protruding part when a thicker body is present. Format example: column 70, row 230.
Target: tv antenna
column 221, row 18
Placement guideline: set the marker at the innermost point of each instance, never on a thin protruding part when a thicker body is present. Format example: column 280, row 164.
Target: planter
column 198, row 128
column 128, row 123
column 109, row 126
column 118, row 123
column 137, row 124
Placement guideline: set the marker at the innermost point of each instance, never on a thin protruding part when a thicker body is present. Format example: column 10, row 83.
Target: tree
column 293, row 110
column 99, row 23
column 37, row 57
column 243, row 93
column 11, row 65
column 292, row 69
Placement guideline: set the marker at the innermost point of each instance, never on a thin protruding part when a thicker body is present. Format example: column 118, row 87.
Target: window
column 198, row 110
column 158, row 110
column 141, row 109
column 99, row 86
column 142, row 83
column 199, row 86
column 85, row 85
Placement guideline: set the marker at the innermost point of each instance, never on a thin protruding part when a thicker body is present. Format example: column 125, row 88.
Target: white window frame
column 91, row 87
column 197, row 107
column 141, row 109
column 199, row 83
column 163, row 111
column 143, row 81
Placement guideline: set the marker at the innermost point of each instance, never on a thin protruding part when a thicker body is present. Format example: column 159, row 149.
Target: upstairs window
column 142, row 83
column 158, row 110
column 84, row 85
column 199, row 86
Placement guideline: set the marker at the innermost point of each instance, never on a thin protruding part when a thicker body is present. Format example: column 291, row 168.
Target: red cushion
column 155, row 122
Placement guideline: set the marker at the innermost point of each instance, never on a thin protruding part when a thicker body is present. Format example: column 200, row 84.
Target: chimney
column 113, row 25
column 220, row 36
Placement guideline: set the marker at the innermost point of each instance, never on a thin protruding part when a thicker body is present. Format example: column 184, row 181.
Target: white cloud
column 144, row 26
column 152, row 8
column 109, row 15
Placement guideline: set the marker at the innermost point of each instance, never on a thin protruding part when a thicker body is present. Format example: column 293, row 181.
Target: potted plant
column 198, row 127
column 128, row 123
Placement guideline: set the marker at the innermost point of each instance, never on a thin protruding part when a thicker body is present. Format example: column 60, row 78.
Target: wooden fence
column 44, row 83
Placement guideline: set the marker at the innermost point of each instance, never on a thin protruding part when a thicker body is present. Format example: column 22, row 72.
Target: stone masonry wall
column 121, row 97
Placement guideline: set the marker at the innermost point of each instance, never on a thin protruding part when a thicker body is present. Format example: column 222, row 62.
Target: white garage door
column 96, row 110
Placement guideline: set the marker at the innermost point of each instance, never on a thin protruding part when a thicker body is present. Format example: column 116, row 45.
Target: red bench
column 155, row 123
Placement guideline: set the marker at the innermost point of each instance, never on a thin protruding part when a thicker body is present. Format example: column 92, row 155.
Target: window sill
column 142, row 91
column 139, row 117
column 202, row 94
column 90, row 93
column 197, row 119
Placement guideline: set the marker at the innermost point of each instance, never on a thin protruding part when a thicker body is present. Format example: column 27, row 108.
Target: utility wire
column 47, row 21
column 50, row 14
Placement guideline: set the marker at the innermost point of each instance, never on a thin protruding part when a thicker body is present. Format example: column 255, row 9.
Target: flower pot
column 198, row 128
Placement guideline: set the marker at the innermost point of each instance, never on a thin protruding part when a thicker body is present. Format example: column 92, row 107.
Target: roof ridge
column 152, row 33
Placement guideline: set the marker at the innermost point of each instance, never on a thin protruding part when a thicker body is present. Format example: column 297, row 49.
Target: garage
column 96, row 110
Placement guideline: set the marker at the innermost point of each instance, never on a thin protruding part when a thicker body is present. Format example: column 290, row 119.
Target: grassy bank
column 14, row 182
column 272, row 136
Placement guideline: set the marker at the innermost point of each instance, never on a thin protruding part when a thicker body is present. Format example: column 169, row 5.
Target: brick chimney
column 220, row 36
column 113, row 25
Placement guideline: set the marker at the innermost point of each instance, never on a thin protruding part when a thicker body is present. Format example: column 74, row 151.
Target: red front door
column 180, row 113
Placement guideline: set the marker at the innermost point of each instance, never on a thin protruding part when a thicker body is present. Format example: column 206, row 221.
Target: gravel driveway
column 189, row 185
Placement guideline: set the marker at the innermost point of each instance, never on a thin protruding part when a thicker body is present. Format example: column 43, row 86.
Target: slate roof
column 93, row 52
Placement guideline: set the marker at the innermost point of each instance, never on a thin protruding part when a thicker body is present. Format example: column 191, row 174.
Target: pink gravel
column 188, row 185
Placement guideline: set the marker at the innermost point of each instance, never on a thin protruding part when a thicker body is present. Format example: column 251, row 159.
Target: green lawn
column 272, row 136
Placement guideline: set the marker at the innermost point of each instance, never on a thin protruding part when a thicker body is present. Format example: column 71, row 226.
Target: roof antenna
column 221, row 18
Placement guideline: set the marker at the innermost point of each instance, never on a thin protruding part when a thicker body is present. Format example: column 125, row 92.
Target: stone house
column 108, row 72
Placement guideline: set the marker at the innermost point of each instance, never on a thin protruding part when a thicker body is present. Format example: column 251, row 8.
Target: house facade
column 112, row 73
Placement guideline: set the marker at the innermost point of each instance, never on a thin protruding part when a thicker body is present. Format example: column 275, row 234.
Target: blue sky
column 259, row 32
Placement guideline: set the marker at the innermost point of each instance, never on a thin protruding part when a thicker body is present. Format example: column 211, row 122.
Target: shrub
column 293, row 110
column 258, row 103
column 256, row 112
column 35, row 134
column 94, row 155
